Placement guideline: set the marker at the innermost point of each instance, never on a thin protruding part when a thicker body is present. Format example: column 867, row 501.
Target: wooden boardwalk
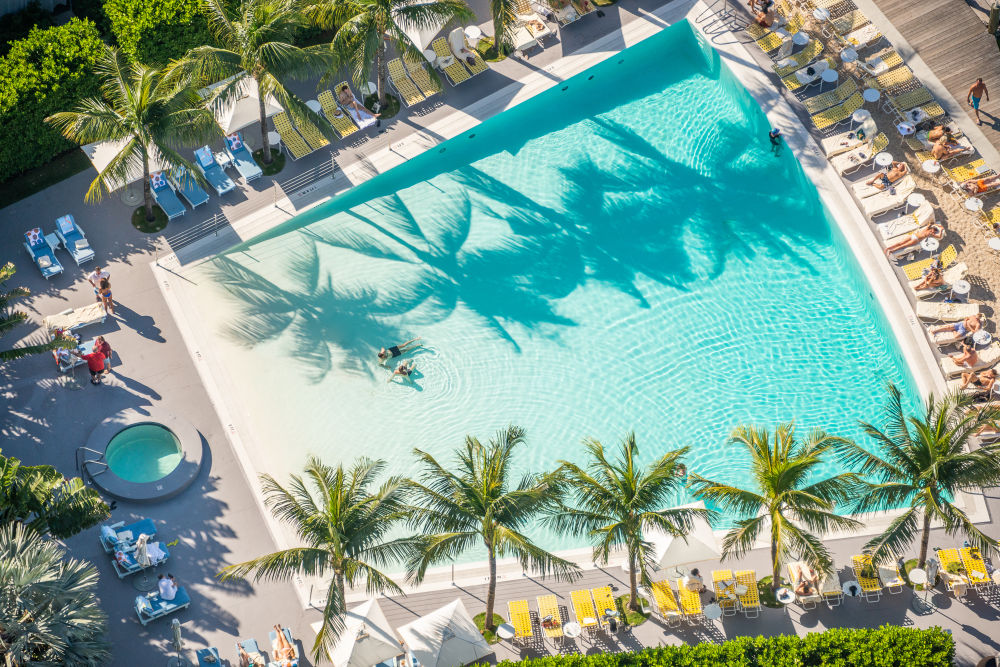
column 952, row 41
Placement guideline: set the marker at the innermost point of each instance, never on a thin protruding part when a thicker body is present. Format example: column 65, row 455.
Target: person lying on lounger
column 886, row 178
column 933, row 278
column 983, row 381
column 925, row 232
column 808, row 579
column 284, row 652
column 346, row 97
column 975, row 186
column 404, row 370
column 966, row 327
column 385, row 355
column 968, row 356
column 246, row 659
column 947, row 147
column 937, row 132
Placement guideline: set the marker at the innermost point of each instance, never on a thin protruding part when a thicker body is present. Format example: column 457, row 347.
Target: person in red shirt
column 95, row 362
column 104, row 348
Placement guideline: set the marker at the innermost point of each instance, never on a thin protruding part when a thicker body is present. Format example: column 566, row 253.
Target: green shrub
column 156, row 32
column 94, row 10
column 888, row 646
column 17, row 25
column 50, row 70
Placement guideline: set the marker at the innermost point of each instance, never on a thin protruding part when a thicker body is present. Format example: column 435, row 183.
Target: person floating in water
column 403, row 370
column 385, row 355
column 775, row 137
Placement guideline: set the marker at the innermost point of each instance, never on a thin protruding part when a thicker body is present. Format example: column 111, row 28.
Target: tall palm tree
column 781, row 499
column 616, row 501
column 478, row 504
column 364, row 26
column 254, row 40
column 345, row 523
column 49, row 605
column 504, row 13
column 10, row 319
column 144, row 111
column 923, row 462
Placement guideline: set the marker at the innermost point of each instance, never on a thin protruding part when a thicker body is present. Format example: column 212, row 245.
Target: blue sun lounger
column 208, row 657
column 250, row 646
column 186, row 186
column 41, row 253
column 213, row 173
column 273, row 636
column 150, row 608
column 242, row 158
column 119, row 534
column 73, row 238
column 163, row 193
column 129, row 565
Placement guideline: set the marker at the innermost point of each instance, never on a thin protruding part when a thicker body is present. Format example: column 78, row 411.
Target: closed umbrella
column 142, row 558
column 178, row 645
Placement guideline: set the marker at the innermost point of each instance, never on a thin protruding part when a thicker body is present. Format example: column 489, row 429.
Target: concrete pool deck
column 218, row 519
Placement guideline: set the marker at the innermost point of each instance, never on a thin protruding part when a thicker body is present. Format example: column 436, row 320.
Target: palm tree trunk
column 924, row 539
column 147, row 191
column 266, row 151
column 491, row 594
column 633, row 587
column 776, row 566
column 381, row 76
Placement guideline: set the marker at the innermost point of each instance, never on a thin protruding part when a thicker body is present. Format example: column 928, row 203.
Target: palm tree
column 41, row 499
column 255, row 40
column 616, row 501
column 10, row 319
column 49, row 605
column 457, row 510
column 363, row 26
column 924, row 463
column 344, row 523
column 782, row 500
column 147, row 113
column 504, row 13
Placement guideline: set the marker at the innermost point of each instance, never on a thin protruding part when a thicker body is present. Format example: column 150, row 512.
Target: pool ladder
column 81, row 462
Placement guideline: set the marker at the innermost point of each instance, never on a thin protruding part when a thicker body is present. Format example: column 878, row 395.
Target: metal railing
column 81, row 464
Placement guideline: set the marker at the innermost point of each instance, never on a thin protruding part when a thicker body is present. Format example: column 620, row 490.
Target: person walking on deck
column 977, row 91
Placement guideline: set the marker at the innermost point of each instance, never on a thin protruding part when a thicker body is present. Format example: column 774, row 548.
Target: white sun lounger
column 906, row 223
column 853, row 159
column 886, row 201
column 987, row 358
column 845, row 141
column 953, row 273
column 831, row 590
column 73, row 239
column 950, row 336
column 939, row 311
column 863, row 189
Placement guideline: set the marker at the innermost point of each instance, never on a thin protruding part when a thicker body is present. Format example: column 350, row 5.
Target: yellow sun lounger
column 956, row 582
column 520, row 618
column 975, row 568
column 296, row 145
column 725, row 591
column 418, row 72
column 915, row 270
column 817, row 103
column 910, row 99
column 838, row 114
column 749, row 599
column 310, row 132
column 894, row 81
column 603, row 601
column 690, row 602
column 965, row 172
column 871, row 587
column 549, row 617
column 848, row 23
column 454, row 70
column 666, row 603
column 340, row 121
column 583, row 609
column 408, row 91
column 799, row 60
column 773, row 40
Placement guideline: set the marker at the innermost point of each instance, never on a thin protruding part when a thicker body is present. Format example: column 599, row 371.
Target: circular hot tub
column 142, row 456
column 143, row 453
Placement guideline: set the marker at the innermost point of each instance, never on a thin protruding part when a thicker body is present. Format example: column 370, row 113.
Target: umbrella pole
column 144, row 584
column 178, row 661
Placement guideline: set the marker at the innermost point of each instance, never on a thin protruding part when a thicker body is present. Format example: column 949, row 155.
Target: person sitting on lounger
column 933, row 278
column 937, row 132
column 246, row 659
column 284, row 652
column 765, row 17
column 966, row 327
column 404, row 370
column 885, row 179
column 385, row 355
column 946, row 147
column 346, row 98
column 977, row 186
column 925, row 232
column 983, row 381
column 968, row 357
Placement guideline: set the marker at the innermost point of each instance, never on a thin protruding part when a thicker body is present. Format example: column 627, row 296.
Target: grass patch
column 488, row 50
column 35, row 180
column 766, row 594
column 488, row 635
column 139, row 220
column 277, row 161
column 633, row 618
column 390, row 109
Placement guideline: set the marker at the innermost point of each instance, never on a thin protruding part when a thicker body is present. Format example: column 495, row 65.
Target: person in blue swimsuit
column 966, row 327
column 976, row 92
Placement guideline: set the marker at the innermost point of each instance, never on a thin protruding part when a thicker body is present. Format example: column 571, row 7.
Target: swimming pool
column 618, row 253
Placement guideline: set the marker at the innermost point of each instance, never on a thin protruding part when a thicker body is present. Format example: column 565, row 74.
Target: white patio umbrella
column 447, row 637
column 141, row 552
column 100, row 155
column 244, row 110
column 367, row 638
column 698, row 545
column 421, row 37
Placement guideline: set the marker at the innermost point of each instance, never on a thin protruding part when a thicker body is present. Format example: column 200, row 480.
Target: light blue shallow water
column 621, row 255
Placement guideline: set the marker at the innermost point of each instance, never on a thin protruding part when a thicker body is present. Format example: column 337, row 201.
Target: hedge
column 888, row 646
column 50, row 70
column 154, row 33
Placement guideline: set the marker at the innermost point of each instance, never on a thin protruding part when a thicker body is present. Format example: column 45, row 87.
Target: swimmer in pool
column 403, row 370
column 385, row 355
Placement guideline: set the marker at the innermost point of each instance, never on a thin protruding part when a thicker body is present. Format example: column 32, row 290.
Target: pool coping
column 853, row 225
column 169, row 486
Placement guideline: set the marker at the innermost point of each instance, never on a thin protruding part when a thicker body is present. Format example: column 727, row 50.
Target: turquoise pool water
column 143, row 453
column 619, row 253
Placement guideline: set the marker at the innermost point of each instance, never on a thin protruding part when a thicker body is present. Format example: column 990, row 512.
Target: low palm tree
column 48, row 605
column 345, row 523
column 504, row 14
column 923, row 462
column 10, row 319
column 254, row 40
column 616, row 501
column 782, row 500
column 478, row 504
column 363, row 28
column 144, row 111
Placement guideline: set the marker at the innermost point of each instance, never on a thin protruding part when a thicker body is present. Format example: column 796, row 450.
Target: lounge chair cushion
column 34, row 237
column 44, row 261
column 66, row 225
column 82, row 244
column 143, row 605
column 205, row 158
column 108, row 534
column 234, row 141
column 157, row 181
